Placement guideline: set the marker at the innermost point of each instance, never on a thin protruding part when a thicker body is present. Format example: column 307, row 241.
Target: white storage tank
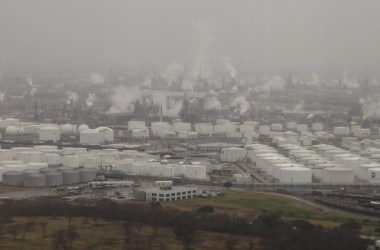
column 157, row 127
column 66, row 129
column 87, row 174
column 362, row 133
column 13, row 178
column 337, row 175
column 13, row 130
column 195, row 172
column 91, row 162
column 302, row 128
column 295, row 175
column 29, row 156
column 374, row 175
column 291, row 125
column 71, row 161
column 317, row 126
column 107, row 133
column 246, row 128
column 52, row 159
column 71, row 177
column 140, row 133
column 5, row 155
column 82, row 128
column 49, row 133
column 233, row 154
column 235, row 135
column 136, row 125
column 34, row 180
column 264, row 129
column 362, row 170
column 54, row 179
column 204, row 128
column 36, row 165
column 276, row 127
column 91, row 136
column 181, row 126
column 341, row 130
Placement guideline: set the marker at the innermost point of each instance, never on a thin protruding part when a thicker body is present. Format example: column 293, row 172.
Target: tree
column 59, row 239
column 352, row 225
column 43, row 225
column 28, row 227
column 155, row 204
column 205, row 209
column 185, row 232
column 72, row 234
column 227, row 185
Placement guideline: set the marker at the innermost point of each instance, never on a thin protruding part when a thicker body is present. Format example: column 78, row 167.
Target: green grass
column 245, row 203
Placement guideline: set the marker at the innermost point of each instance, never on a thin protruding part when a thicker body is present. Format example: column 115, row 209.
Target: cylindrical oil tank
column 47, row 170
column 54, row 179
column 49, row 133
column 70, row 161
column 13, row 178
column 51, row 159
column 82, row 128
column 30, row 171
column 34, row 180
column 36, row 165
column 91, row 162
column 87, row 174
column 5, row 155
column 71, row 177
column 16, row 167
column 29, row 156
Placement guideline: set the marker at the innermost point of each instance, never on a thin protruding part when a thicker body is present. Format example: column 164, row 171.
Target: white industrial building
column 165, row 194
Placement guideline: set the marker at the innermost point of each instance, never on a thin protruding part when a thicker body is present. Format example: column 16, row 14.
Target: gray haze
column 256, row 36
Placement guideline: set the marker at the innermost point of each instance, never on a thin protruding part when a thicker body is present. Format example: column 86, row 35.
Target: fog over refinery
column 203, row 124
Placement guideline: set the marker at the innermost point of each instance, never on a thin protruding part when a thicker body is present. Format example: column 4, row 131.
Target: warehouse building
column 165, row 194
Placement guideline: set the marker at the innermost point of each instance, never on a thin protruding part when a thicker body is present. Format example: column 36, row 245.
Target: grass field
column 107, row 235
column 251, row 204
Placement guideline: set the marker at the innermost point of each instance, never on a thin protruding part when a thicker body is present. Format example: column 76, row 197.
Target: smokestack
column 161, row 113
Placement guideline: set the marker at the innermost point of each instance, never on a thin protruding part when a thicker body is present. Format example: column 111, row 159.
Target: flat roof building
column 165, row 194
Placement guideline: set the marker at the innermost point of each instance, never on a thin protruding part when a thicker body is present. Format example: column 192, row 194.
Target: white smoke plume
column 212, row 103
column 203, row 47
column 314, row 80
column 374, row 82
column 241, row 103
column 173, row 71
column 229, row 69
column 170, row 106
column 147, row 82
column 123, row 99
column 30, row 82
column 273, row 83
column 350, row 83
column 2, row 95
column 188, row 85
column 370, row 106
column 91, row 99
column 97, row 78
column 72, row 97
column 300, row 106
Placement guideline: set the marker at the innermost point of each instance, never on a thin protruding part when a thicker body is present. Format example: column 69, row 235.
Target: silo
column 54, row 179
column 295, row 175
column 337, row 175
column 82, row 128
column 13, row 178
column 36, row 165
column 91, row 136
column 29, row 156
column 52, row 159
column 204, row 128
column 264, row 129
column 70, row 161
column 132, row 125
column 66, row 129
column 47, row 170
column 71, row 177
column 49, row 133
column 181, row 126
column 34, row 180
column 87, row 174
column 16, row 150
column 5, row 155
column 107, row 133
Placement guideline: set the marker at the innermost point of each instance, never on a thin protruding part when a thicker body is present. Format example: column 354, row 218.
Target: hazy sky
column 254, row 35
